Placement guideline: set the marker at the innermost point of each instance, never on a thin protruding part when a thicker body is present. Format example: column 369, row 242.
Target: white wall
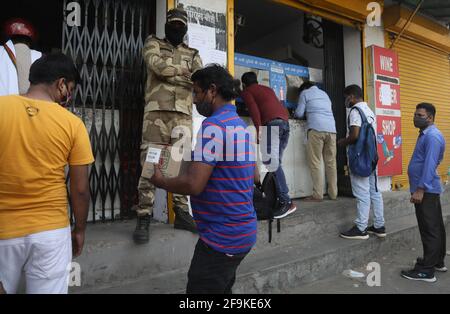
column 295, row 164
column 161, row 9
column 374, row 35
column 352, row 56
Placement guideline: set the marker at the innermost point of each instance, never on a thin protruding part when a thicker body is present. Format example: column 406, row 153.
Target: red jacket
column 263, row 105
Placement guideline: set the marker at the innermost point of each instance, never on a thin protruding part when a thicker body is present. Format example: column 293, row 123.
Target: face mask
column 175, row 34
column 420, row 122
column 204, row 108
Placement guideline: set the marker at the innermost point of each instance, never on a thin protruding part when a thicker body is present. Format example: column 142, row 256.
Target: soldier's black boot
column 184, row 221
column 141, row 234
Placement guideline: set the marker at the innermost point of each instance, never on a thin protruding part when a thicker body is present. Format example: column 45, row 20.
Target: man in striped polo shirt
column 220, row 181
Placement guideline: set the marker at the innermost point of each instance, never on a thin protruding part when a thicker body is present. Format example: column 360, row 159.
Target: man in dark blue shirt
column 220, row 181
column 425, row 187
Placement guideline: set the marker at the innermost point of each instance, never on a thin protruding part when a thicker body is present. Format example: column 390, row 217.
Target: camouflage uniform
column 168, row 98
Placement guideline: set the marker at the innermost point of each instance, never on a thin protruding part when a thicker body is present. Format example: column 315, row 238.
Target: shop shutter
column 107, row 52
column 424, row 77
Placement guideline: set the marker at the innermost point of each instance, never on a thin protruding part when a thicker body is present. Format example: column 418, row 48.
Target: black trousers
column 432, row 232
column 212, row 271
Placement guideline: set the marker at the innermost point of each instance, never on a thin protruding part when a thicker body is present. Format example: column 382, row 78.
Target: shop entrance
column 304, row 47
column 106, row 47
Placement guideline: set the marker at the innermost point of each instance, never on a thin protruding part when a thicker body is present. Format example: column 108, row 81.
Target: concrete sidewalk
column 308, row 249
column 391, row 281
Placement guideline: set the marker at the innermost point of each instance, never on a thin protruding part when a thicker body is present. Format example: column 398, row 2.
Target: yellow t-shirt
column 37, row 140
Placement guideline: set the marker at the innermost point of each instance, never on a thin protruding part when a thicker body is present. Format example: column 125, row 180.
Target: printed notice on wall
column 207, row 29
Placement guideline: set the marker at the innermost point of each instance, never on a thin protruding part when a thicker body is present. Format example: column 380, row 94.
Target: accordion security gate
column 106, row 47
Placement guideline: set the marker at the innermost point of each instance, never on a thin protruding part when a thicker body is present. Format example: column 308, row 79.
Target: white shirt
column 8, row 73
column 355, row 117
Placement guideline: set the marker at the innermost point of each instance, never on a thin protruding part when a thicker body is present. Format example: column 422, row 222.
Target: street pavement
column 390, row 279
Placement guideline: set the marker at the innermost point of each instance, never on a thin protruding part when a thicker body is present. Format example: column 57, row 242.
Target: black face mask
column 204, row 108
column 175, row 34
column 420, row 122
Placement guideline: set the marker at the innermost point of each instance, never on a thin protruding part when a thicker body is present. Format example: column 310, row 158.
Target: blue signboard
column 266, row 64
column 277, row 72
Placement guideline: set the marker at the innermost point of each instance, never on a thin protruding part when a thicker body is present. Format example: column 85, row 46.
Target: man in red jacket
column 266, row 110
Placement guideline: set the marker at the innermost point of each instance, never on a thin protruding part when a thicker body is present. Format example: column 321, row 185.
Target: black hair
column 219, row 76
column 354, row 90
column 306, row 85
column 249, row 78
column 429, row 108
column 50, row 68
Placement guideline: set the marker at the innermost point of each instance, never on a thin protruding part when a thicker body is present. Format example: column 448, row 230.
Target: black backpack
column 265, row 201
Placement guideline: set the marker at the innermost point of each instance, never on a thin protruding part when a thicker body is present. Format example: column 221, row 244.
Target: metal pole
column 407, row 24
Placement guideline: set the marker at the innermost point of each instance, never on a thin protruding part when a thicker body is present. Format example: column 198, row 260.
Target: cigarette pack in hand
column 162, row 155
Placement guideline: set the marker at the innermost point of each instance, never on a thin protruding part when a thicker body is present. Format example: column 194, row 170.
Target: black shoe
column 418, row 275
column 141, row 234
column 355, row 233
column 184, row 221
column 438, row 267
column 379, row 232
column 285, row 209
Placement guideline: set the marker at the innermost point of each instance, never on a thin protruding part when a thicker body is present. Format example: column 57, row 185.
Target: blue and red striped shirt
column 223, row 212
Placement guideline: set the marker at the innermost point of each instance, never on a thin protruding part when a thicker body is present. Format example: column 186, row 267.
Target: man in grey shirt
column 315, row 106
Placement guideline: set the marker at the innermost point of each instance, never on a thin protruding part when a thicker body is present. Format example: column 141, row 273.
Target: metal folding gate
column 106, row 48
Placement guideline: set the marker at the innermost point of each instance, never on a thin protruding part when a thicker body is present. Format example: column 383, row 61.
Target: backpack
column 265, row 201
column 363, row 155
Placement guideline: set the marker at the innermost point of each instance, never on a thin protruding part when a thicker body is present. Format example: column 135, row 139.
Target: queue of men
column 39, row 138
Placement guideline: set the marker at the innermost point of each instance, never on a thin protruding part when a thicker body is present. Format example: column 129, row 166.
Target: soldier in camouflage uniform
column 168, row 97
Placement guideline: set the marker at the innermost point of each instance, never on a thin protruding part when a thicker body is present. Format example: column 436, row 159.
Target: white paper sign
column 153, row 155
column 210, row 5
column 202, row 37
column 214, row 56
column 207, row 29
column 386, row 95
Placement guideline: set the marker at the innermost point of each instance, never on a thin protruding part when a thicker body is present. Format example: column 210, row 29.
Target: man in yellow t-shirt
column 38, row 138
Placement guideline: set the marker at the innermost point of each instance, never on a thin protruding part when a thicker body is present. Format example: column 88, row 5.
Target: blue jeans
column 282, row 128
column 364, row 190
